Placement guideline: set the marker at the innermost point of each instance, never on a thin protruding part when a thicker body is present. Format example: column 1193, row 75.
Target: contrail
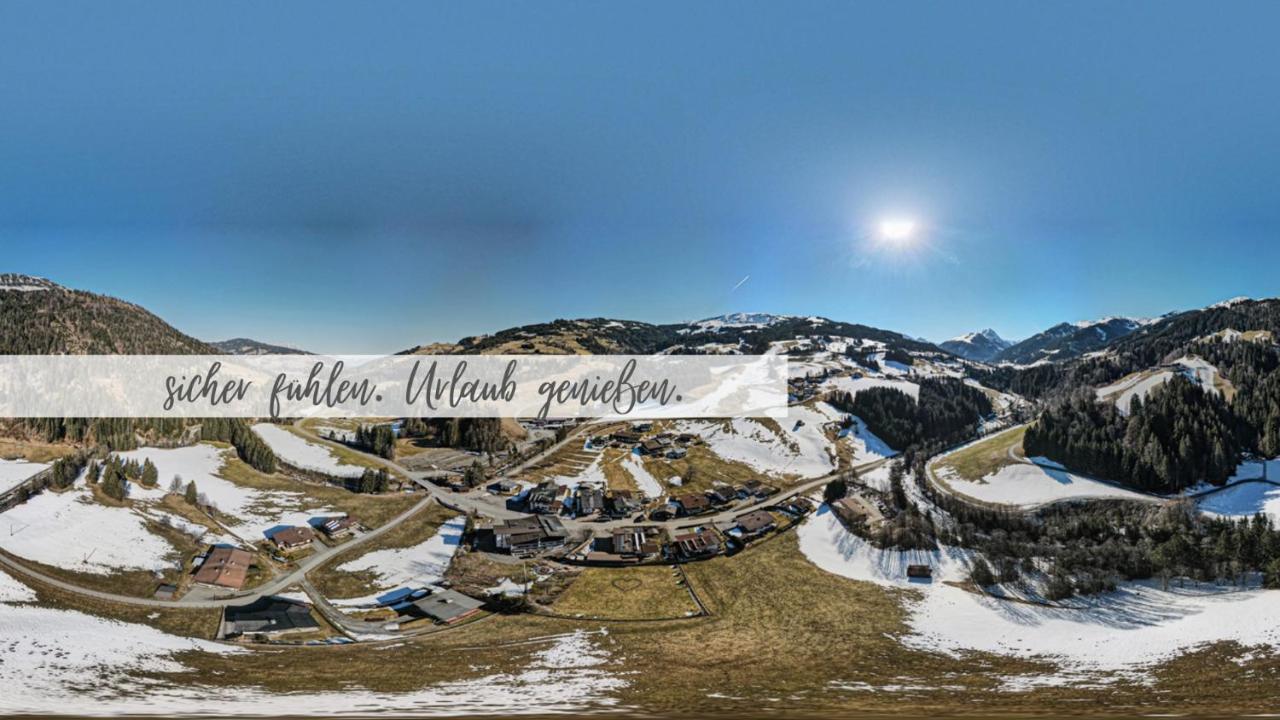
column 740, row 283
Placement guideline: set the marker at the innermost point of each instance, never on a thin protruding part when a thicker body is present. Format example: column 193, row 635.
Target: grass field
column 373, row 510
column 783, row 637
column 985, row 457
column 334, row 583
column 31, row 451
column 634, row 593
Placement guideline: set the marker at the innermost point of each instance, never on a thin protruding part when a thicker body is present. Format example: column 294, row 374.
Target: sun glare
column 897, row 230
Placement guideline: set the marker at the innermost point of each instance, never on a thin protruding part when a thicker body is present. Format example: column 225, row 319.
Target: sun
column 897, row 230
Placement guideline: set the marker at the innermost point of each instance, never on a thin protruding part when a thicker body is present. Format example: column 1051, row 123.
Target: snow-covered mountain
column 1069, row 340
column 982, row 346
column 739, row 320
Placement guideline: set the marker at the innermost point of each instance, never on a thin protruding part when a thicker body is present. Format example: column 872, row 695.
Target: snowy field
column 1123, row 633
column 1029, row 485
column 857, row 385
column 1244, row 500
column 802, row 451
column 864, row 443
column 255, row 512
column 72, row 531
column 303, row 454
column 408, row 568
column 14, row 472
column 645, row 481
column 592, row 474
column 69, row 663
column 1141, row 384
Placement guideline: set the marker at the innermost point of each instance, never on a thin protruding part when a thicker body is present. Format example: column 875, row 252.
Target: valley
column 1095, row 521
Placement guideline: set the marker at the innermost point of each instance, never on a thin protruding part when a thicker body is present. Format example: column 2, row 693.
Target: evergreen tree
column 149, row 476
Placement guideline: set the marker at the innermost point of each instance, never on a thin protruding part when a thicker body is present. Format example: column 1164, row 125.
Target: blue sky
column 363, row 178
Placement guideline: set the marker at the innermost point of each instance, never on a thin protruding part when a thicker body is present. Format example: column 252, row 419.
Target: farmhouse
column 224, row 566
column 266, row 616
column 445, row 606
column 340, row 527
column 293, row 538
column 527, row 535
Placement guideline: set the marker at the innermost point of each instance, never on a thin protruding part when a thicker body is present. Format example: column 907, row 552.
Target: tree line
column 947, row 411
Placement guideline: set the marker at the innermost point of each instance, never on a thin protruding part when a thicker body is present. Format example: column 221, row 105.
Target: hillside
column 1066, row 341
column 41, row 317
column 247, row 346
column 747, row 333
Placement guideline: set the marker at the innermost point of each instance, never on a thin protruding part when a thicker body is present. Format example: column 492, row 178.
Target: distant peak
column 1130, row 321
column 986, row 334
column 739, row 319
column 1231, row 302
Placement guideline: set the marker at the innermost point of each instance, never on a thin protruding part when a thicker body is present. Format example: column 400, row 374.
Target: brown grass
column 632, row 593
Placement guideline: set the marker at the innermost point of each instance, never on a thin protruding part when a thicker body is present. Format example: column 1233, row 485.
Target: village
column 572, row 496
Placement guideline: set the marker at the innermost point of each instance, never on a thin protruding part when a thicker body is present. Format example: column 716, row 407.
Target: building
column 590, row 500
column 693, row 504
column 634, row 542
column 626, row 437
column 445, row 606
column 339, row 527
column 721, row 495
column 293, row 538
column 621, row 503
column 923, row 572
column 755, row 488
column 652, row 446
column 754, row 523
column 528, row 535
column 266, row 616
column 695, row 545
column 224, row 566
column 547, row 497
column 677, row 453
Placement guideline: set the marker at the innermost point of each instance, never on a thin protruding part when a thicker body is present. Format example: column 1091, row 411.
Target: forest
column 947, row 411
